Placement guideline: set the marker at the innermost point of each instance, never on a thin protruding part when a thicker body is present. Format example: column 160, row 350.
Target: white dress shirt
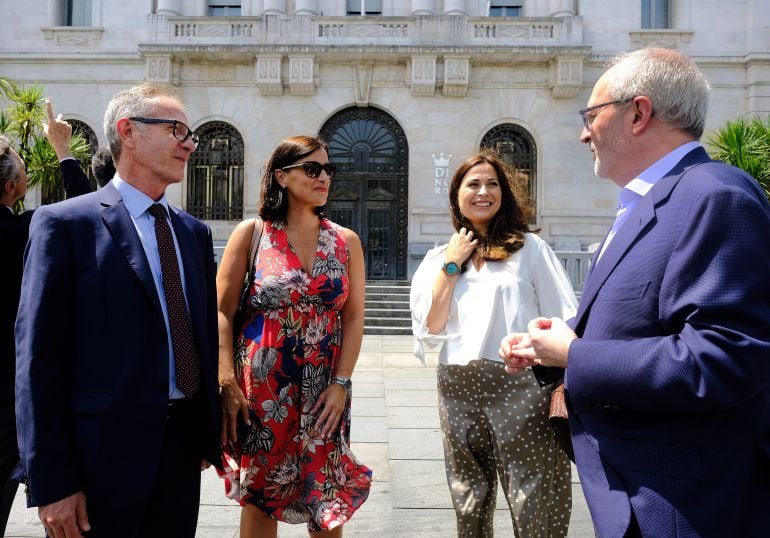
column 500, row 298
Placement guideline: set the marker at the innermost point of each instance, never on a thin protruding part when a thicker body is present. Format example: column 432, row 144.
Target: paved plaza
column 396, row 433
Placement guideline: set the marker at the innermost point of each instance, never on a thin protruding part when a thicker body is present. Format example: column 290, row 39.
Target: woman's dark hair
column 505, row 232
column 273, row 201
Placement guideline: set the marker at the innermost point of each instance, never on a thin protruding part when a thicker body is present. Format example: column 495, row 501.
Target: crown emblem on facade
column 441, row 160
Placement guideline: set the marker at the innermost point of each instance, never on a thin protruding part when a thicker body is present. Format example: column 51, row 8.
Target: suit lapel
column 118, row 221
column 631, row 230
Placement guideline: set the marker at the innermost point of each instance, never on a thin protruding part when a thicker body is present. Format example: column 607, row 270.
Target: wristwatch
column 451, row 268
column 346, row 383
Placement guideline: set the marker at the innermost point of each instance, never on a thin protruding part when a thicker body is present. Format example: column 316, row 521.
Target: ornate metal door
column 369, row 192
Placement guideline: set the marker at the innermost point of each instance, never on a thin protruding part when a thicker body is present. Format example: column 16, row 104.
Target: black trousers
column 172, row 507
column 9, row 458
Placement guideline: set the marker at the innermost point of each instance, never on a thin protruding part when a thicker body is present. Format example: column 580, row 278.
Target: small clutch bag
column 559, row 419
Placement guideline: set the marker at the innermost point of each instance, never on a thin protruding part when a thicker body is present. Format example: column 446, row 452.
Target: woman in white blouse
column 491, row 279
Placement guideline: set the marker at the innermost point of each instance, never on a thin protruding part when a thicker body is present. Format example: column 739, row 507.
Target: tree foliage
column 745, row 143
column 21, row 121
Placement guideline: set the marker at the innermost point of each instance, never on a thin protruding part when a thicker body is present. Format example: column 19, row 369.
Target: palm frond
column 745, row 143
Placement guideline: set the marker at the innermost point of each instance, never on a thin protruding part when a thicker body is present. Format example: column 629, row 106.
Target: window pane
column 646, row 14
column 78, row 13
column 504, row 8
column 661, row 14
column 655, row 14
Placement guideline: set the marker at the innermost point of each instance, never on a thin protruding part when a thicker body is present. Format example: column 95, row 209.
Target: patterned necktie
column 185, row 353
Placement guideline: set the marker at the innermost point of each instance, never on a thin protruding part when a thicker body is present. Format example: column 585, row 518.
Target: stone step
column 389, row 297
column 374, row 329
column 387, row 308
column 386, row 305
column 387, row 321
column 387, row 283
column 397, row 313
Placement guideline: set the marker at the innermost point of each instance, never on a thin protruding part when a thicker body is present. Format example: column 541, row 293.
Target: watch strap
column 346, row 383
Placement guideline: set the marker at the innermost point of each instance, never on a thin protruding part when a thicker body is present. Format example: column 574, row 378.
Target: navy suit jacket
column 669, row 382
column 92, row 353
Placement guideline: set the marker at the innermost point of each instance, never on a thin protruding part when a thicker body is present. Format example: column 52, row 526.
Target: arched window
column 215, row 174
column 55, row 193
column 517, row 148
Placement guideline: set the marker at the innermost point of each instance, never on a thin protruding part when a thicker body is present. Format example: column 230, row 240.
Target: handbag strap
column 254, row 247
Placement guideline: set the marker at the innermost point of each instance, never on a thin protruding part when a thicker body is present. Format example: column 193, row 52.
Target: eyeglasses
column 180, row 130
column 588, row 120
column 313, row 168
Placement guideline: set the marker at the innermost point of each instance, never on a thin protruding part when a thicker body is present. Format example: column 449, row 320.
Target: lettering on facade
column 441, row 175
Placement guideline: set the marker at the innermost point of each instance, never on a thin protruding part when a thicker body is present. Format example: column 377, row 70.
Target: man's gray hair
column 136, row 101
column 9, row 167
column 677, row 88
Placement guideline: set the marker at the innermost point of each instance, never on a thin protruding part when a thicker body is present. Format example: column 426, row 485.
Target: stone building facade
column 403, row 90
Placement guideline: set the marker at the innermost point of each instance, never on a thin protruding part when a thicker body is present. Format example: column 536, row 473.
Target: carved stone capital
column 159, row 68
column 267, row 72
column 457, row 70
column 423, row 76
column 301, row 75
column 566, row 77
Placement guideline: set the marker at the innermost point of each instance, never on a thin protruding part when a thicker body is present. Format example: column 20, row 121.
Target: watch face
column 451, row 268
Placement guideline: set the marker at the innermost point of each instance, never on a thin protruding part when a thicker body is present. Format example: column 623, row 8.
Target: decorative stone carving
column 362, row 76
column 457, row 71
column 158, row 69
column 661, row 37
column 423, row 79
column 567, row 77
column 268, row 75
column 73, row 36
column 301, row 75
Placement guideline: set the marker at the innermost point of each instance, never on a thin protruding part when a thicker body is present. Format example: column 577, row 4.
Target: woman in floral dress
column 286, row 379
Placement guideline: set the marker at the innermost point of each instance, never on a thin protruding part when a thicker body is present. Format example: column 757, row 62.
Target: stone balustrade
column 416, row 31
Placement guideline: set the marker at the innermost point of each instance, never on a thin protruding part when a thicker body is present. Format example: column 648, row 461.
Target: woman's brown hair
column 506, row 229
column 273, row 201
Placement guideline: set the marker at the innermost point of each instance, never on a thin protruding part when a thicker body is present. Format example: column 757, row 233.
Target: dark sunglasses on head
column 180, row 130
column 313, row 168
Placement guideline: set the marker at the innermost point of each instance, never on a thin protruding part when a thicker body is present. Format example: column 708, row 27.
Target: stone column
column 562, row 8
column 423, row 7
column 455, row 7
column 169, row 7
column 272, row 7
column 306, row 7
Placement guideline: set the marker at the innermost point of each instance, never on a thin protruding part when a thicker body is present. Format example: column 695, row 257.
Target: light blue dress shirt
column 137, row 204
column 638, row 187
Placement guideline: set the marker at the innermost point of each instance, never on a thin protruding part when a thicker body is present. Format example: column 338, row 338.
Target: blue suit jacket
column 92, row 354
column 669, row 383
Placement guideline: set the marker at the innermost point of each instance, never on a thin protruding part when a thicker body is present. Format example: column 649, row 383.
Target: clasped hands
column 546, row 343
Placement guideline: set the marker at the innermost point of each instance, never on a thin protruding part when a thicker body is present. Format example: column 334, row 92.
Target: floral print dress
column 284, row 358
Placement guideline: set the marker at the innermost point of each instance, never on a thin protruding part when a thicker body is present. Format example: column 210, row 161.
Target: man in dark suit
column 668, row 357
column 102, row 166
column 116, row 390
column 14, row 231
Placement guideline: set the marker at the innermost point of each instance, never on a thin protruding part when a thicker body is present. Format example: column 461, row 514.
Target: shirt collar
column 641, row 185
column 135, row 200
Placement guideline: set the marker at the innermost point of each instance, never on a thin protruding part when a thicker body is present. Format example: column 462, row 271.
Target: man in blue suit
column 116, row 341
column 668, row 358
